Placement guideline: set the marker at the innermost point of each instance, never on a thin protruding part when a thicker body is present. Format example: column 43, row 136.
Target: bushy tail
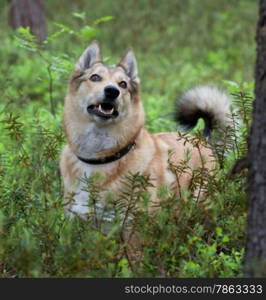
column 208, row 103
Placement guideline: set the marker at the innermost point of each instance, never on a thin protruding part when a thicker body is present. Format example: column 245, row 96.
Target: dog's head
column 104, row 94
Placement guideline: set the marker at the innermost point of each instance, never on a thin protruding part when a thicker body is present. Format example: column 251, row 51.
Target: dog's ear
column 90, row 56
column 129, row 64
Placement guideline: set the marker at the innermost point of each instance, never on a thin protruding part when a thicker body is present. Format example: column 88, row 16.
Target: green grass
column 178, row 44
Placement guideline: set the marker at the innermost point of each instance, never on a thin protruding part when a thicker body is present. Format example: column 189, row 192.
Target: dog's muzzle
column 107, row 108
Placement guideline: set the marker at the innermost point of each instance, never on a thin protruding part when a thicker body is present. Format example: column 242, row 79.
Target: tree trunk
column 28, row 13
column 255, row 257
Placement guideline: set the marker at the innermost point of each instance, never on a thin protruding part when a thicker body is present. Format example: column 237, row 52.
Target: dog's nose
column 111, row 92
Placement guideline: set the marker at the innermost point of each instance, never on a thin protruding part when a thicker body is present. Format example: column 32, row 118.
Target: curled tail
column 208, row 103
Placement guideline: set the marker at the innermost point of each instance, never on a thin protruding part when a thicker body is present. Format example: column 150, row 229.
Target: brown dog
column 104, row 125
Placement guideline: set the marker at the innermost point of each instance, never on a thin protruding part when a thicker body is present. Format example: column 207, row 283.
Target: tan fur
column 151, row 153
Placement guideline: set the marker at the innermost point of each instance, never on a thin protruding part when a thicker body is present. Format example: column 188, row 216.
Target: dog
column 104, row 125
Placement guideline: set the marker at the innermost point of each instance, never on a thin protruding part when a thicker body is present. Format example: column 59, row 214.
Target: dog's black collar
column 108, row 159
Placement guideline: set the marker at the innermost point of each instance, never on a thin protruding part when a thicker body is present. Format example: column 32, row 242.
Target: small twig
column 52, row 103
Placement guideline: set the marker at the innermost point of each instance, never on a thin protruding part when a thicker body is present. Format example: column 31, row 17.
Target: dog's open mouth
column 103, row 110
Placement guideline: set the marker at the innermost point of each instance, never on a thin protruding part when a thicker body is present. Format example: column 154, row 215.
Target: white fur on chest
column 89, row 142
column 82, row 205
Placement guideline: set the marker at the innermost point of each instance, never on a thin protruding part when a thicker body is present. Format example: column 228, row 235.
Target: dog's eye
column 123, row 84
column 95, row 77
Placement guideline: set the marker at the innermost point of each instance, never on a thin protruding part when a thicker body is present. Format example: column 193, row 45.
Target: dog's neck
column 99, row 142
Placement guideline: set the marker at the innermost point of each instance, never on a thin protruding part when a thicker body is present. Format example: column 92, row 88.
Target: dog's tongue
column 105, row 110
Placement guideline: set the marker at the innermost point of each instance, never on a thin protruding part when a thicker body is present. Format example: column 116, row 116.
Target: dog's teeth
column 100, row 109
column 107, row 112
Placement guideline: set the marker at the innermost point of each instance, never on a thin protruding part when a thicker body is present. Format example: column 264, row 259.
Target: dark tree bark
column 255, row 257
column 28, row 13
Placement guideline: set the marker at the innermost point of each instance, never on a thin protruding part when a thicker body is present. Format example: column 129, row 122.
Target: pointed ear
column 129, row 64
column 90, row 56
